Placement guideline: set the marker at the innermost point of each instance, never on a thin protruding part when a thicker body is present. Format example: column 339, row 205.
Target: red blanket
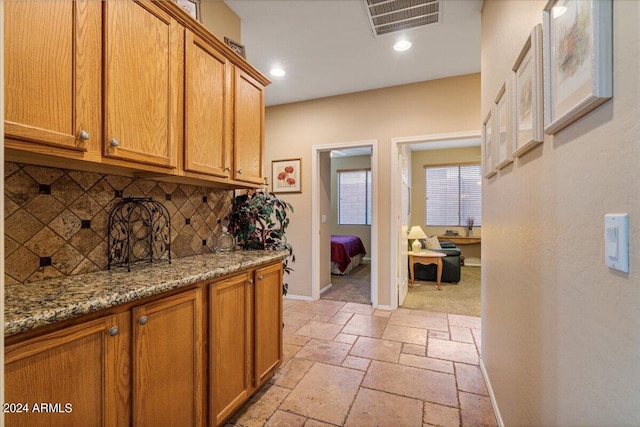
column 343, row 248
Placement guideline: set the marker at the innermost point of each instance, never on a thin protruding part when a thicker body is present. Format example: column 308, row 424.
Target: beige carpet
column 463, row 298
column 354, row 287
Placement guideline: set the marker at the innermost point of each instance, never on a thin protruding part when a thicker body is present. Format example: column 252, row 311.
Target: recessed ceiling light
column 402, row 45
column 278, row 72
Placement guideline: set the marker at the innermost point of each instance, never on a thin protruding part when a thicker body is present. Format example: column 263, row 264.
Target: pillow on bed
column 432, row 243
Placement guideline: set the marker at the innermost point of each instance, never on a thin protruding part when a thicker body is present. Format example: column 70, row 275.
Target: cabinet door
column 141, row 71
column 80, row 372
column 248, row 128
column 168, row 357
column 52, row 72
column 231, row 332
column 268, row 321
column 207, row 109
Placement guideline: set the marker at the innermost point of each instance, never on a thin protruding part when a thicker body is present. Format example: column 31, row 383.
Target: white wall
column 560, row 339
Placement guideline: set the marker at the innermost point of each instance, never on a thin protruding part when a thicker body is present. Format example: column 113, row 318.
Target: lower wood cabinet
column 168, row 361
column 76, row 376
column 245, row 337
column 146, row 364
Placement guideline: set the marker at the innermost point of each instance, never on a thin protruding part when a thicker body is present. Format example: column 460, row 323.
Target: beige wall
column 220, row 19
column 559, row 338
column 420, row 159
column 432, row 107
column 362, row 231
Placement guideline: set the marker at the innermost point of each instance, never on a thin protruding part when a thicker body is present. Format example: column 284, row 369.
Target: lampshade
column 416, row 232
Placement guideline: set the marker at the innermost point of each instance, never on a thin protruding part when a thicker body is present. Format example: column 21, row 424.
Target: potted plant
column 470, row 227
column 259, row 220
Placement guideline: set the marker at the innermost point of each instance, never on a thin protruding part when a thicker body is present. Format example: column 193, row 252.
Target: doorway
column 402, row 148
column 324, row 213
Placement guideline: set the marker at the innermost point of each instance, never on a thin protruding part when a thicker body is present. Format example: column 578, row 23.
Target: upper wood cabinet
column 248, row 128
column 168, row 361
column 52, row 74
column 84, row 369
column 142, row 78
column 207, row 105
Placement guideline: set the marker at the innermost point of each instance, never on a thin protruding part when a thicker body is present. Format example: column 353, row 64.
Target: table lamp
column 416, row 233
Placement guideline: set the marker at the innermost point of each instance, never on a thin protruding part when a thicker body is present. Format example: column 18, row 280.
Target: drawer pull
column 84, row 135
column 114, row 142
column 114, row 331
column 143, row 320
column 250, row 281
column 260, row 277
column 239, row 171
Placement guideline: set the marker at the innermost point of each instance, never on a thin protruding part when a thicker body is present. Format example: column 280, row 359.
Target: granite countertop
column 34, row 304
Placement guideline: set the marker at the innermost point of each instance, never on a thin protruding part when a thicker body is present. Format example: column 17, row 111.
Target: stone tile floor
column 347, row 364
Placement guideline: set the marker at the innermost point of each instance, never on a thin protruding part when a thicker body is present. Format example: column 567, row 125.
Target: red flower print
column 291, row 181
column 288, row 169
column 282, row 176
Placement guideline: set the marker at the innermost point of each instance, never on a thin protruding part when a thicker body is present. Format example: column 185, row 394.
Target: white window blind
column 354, row 197
column 453, row 194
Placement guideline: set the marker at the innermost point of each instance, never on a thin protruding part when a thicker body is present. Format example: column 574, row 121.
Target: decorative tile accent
column 69, row 224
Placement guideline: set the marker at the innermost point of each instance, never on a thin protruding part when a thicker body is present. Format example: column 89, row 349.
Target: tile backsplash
column 56, row 219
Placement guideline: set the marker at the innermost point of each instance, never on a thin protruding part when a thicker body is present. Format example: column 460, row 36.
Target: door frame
column 315, row 213
column 396, row 194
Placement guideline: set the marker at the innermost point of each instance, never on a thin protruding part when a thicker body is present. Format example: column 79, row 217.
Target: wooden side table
column 426, row 258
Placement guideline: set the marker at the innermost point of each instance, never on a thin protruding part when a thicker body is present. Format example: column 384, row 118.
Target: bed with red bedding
column 346, row 253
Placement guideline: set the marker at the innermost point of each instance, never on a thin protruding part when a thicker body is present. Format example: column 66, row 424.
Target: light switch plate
column 616, row 241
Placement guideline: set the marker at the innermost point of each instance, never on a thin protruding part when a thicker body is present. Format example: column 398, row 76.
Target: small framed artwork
column 286, row 176
column 488, row 156
column 192, row 7
column 503, row 132
column 236, row 47
column 527, row 95
column 577, row 59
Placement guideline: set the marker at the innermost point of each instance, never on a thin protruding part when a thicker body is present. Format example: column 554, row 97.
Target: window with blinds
column 354, row 197
column 454, row 193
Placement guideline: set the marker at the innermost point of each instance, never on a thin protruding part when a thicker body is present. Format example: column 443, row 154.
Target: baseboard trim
column 492, row 396
column 298, row 297
column 325, row 289
column 384, row 307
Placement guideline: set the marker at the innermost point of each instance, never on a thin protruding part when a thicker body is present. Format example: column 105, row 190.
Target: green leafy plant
column 259, row 220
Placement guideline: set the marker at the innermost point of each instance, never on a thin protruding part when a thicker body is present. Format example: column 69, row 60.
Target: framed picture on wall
column 488, row 157
column 192, row 7
column 503, row 132
column 527, row 95
column 577, row 51
column 286, row 176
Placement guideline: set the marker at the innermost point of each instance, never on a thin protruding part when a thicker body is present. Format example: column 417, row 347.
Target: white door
column 403, row 223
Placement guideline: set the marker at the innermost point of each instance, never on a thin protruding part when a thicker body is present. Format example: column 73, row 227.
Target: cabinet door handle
column 227, row 169
column 84, row 135
column 239, row 171
column 260, row 277
column 143, row 320
column 114, row 331
column 114, row 142
column 250, row 281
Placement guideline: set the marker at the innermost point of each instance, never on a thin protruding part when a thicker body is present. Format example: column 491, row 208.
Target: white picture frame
column 488, row 145
column 503, row 151
column 527, row 105
column 577, row 59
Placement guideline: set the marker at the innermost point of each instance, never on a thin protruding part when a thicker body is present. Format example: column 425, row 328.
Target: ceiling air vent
column 389, row 16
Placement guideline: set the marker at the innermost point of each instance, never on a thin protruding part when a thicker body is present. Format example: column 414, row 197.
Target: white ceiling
column 327, row 47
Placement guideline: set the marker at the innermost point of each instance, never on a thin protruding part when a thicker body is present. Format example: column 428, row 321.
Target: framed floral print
column 488, row 156
column 577, row 59
column 527, row 108
column 286, row 176
column 502, row 127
